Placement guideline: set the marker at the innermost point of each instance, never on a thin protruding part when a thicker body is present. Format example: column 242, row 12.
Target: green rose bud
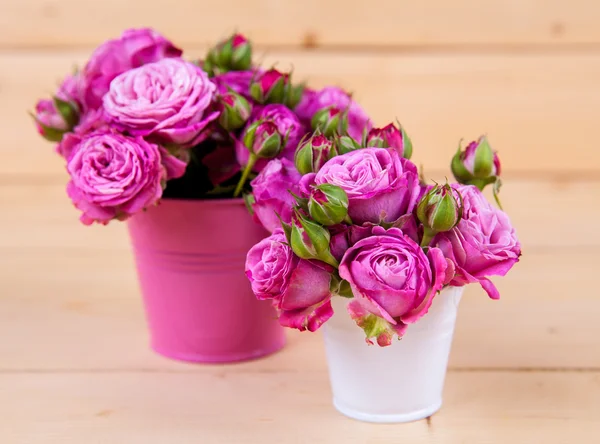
column 233, row 54
column 271, row 87
column 313, row 153
column 263, row 139
column 328, row 204
column 330, row 121
column 310, row 240
column 439, row 210
column 294, row 96
column 345, row 144
column 235, row 111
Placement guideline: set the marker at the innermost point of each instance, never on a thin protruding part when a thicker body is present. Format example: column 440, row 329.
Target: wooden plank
column 39, row 23
column 221, row 406
column 76, row 287
column 42, row 216
column 538, row 110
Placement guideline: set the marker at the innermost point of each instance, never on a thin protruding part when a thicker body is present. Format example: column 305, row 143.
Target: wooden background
column 74, row 364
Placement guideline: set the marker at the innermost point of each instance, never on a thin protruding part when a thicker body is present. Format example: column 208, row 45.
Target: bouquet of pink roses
column 354, row 219
column 139, row 123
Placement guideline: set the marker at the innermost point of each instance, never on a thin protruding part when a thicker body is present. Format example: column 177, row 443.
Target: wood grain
column 83, row 311
column 538, row 110
column 225, row 406
column 378, row 23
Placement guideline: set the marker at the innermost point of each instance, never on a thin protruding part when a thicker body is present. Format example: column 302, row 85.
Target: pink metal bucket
column 190, row 257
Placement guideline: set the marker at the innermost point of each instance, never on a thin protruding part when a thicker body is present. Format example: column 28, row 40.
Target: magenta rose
column 238, row 81
column 166, row 101
column 271, row 193
column 483, row 244
column 134, row 48
column 392, row 278
column 298, row 289
column 381, row 186
column 112, row 176
column 332, row 96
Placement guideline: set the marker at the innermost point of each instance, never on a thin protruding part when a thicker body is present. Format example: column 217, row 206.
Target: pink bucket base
column 220, row 359
column 190, row 259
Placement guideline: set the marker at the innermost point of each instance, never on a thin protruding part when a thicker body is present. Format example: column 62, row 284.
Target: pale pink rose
column 166, row 102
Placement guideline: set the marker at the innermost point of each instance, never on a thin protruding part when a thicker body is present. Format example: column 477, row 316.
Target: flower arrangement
column 139, row 123
column 349, row 214
column 355, row 220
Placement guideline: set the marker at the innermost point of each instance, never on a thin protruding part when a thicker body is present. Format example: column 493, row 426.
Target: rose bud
column 263, row 140
column 233, row 54
column 330, row 121
column 477, row 165
column 345, row 144
column 328, row 205
column 391, row 137
column 271, row 87
column 310, row 240
column 295, row 96
column 313, row 153
column 55, row 117
column 235, row 111
column 439, row 210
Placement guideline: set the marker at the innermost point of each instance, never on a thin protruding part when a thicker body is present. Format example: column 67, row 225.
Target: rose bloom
column 483, row 244
column 287, row 123
column 392, row 278
column 381, row 186
column 134, row 48
column 298, row 289
column 271, row 190
column 112, row 176
column 165, row 101
column 332, row 96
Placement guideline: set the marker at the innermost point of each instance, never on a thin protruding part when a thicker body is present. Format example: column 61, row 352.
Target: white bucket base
column 402, row 382
column 388, row 418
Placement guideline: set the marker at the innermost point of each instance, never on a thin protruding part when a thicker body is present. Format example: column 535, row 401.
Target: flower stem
column 428, row 236
column 247, row 169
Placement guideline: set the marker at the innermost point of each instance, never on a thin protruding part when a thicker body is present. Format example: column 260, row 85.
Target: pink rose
column 166, row 101
column 483, row 244
column 134, row 48
column 381, row 186
column 271, row 193
column 298, row 288
column 392, row 278
column 112, row 176
column 332, row 96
